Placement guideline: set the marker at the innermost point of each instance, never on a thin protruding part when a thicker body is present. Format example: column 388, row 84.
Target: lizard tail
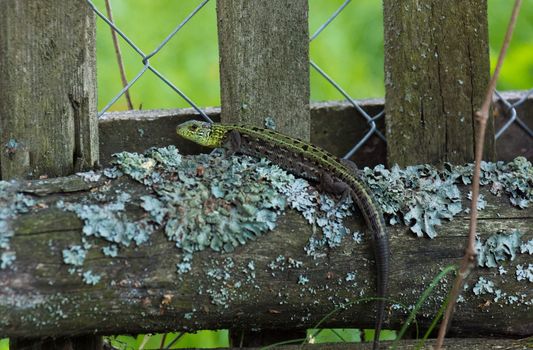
column 381, row 249
column 374, row 218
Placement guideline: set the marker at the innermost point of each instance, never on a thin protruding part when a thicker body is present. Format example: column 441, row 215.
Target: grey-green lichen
column 110, row 250
column 481, row 202
column 110, row 222
column 418, row 196
column 90, row 176
column 318, row 209
column 90, row 278
column 514, row 178
column 226, row 281
column 303, row 280
column 485, row 286
column 422, row 196
column 11, row 204
column 7, row 259
column 524, row 273
column 498, row 247
column 74, row 255
column 282, row 263
column 501, row 247
column 527, row 247
column 220, row 203
column 270, row 123
column 213, row 203
column 496, row 251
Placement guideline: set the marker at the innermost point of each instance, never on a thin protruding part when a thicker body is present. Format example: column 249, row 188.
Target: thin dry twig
column 481, row 117
column 163, row 340
column 118, row 53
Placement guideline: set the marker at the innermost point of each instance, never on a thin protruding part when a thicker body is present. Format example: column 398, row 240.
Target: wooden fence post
column 264, row 63
column 264, row 74
column 436, row 74
column 48, row 121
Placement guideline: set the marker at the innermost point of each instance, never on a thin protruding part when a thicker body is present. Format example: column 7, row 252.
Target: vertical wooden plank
column 264, row 63
column 264, row 77
column 436, row 73
column 48, row 123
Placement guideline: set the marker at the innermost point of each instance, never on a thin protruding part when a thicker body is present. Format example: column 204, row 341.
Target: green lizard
column 308, row 161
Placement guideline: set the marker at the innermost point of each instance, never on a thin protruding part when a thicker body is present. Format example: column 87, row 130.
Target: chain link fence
column 145, row 58
column 509, row 107
column 510, row 113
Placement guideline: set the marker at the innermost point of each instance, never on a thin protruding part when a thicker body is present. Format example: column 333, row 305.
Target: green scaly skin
column 310, row 162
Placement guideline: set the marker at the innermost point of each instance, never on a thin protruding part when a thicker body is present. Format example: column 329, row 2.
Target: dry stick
column 481, row 117
column 119, row 55
column 163, row 340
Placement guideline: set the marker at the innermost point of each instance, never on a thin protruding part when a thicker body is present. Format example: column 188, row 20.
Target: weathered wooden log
column 335, row 126
column 269, row 282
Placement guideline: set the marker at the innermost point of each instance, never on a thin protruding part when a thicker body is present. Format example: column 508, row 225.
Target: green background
column 350, row 50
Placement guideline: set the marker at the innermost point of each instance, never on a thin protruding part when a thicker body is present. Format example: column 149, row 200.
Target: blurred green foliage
column 350, row 50
column 203, row 339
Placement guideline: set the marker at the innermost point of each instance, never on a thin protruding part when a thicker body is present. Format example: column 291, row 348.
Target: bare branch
column 118, row 53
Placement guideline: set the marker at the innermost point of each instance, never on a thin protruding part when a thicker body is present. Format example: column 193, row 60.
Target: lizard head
column 202, row 133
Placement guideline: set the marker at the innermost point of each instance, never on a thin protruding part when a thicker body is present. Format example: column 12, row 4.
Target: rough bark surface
column 48, row 119
column 264, row 63
column 48, row 122
column 436, row 75
column 332, row 128
column 141, row 292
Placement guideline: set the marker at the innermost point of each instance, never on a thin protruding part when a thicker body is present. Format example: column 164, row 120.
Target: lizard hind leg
column 351, row 166
column 335, row 187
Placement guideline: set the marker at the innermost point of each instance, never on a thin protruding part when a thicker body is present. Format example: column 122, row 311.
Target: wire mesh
column 371, row 120
column 512, row 115
column 146, row 59
column 510, row 107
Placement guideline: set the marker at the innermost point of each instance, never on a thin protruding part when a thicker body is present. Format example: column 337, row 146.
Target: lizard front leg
column 233, row 143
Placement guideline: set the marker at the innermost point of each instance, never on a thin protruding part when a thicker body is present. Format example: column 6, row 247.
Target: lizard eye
column 194, row 127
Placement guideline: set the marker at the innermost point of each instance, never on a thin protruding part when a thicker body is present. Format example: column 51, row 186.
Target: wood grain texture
column 47, row 88
column 335, row 126
column 436, row 75
column 264, row 63
column 141, row 292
